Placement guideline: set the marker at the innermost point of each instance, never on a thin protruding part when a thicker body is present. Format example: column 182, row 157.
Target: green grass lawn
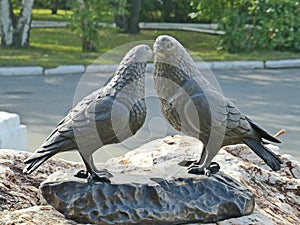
column 45, row 14
column 50, row 47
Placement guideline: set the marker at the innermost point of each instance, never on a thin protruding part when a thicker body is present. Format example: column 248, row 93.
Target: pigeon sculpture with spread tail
column 109, row 115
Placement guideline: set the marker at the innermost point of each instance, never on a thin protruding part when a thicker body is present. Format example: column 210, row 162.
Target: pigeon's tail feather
column 266, row 154
column 46, row 152
column 34, row 162
column 262, row 132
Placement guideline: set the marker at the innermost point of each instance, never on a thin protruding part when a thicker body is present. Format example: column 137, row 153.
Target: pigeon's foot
column 83, row 174
column 94, row 177
column 99, row 176
column 212, row 169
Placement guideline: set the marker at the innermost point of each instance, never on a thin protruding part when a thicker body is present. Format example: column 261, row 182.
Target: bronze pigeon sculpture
column 192, row 105
column 109, row 115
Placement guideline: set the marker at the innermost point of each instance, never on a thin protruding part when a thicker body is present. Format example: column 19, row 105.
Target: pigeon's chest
column 137, row 115
column 164, row 87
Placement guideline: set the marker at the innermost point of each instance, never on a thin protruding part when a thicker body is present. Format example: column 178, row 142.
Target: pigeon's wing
column 113, row 120
column 237, row 123
column 85, row 128
column 61, row 139
column 227, row 118
column 64, row 131
column 81, row 122
column 217, row 114
column 197, row 109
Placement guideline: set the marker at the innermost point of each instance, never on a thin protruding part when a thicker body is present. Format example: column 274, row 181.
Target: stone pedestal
column 131, row 199
column 149, row 187
column 277, row 198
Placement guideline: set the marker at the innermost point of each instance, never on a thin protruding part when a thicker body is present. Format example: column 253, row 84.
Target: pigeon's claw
column 212, row 169
column 101, row 176
column 94, row 177
column 83, row 174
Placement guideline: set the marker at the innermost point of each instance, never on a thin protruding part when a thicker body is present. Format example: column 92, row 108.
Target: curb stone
column 100, row 68
column 229, row 65
column 289, row 63
column 81, row 69
column 21, row 71
column 65, row 69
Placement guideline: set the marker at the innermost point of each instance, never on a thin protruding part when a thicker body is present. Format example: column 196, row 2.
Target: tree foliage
column 251, row 25
column 210, row 11
column 170, row 11
column 88, row 17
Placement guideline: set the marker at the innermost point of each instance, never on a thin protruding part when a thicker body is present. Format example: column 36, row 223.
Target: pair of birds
column 189, row 102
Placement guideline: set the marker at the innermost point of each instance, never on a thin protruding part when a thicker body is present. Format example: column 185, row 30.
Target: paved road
column 270, row 97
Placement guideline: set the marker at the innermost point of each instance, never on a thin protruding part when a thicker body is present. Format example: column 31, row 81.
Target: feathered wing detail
column 239, row 128
column 62, row 138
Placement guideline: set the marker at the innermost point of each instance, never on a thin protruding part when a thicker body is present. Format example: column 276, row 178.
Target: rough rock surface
column 149, row 199
column 20, row 199
column 276, row 193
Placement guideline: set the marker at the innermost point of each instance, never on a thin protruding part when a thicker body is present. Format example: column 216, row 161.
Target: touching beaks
column 157, row 48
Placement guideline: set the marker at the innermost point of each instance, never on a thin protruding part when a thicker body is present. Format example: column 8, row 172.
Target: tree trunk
column 54, row 7
column 54, row 11
column 133, row 25
column 6, row 22
column 86, row 43
column 22, row 30
column 88, row 46
column 121, row 19
column 121, row 22
column 15, row 33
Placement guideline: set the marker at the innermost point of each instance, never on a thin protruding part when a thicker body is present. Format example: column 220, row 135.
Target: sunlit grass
column 46, row 14
column 50, row 47
column 37, row 12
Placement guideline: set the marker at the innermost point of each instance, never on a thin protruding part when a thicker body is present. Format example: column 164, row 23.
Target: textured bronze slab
column 140, row 199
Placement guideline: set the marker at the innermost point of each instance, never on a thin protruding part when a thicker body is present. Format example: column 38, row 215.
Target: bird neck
column 129, row 79
column 170, row 72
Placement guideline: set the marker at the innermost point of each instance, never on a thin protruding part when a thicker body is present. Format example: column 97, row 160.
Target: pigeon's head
column 166, row 45
column 169, row 51
column 139, row 53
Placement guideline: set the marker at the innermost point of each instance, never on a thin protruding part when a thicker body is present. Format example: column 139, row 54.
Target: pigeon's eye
column 169, row 45
column 147, row 48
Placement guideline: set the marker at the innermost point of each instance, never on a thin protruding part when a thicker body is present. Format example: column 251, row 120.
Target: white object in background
column 12, row 133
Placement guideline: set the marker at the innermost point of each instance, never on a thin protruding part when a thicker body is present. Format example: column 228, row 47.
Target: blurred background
column 51, row 33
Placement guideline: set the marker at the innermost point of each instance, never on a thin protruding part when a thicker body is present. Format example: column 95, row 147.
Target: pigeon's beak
column 157, row 47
